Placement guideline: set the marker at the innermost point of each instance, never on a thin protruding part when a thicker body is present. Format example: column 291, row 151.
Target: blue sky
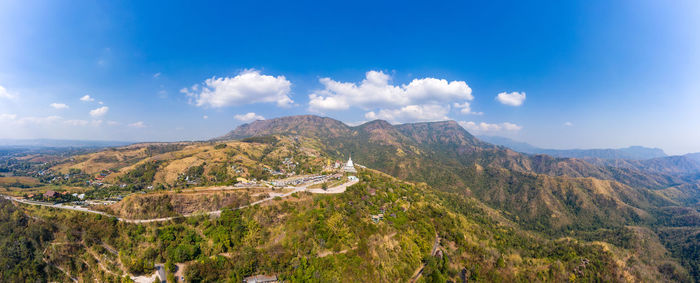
column 578, row 74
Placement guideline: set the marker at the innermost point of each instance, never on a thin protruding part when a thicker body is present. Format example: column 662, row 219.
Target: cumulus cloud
column 376, row 91
column 156, row 75
column 4, row 93
column 87, row 98
column 139, row 124
column 513, row 99
column 99, row 112
column 57, row 105
column 411, row 113
column 487, row 127
column 568, row 124
column 465, row 108
column 247, row 87
column 205, row 117
column 248, row 117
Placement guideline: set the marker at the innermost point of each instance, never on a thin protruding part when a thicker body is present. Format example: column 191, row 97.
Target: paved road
column 333, row 190
column 161, row 272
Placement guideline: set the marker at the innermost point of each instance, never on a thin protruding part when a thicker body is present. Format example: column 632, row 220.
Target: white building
column 349, row 167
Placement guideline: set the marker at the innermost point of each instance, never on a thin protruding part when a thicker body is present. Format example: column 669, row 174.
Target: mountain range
column 632, row 152
column 495, row 214
column 600, row 189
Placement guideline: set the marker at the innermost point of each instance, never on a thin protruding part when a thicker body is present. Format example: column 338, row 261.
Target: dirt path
column 419, row 271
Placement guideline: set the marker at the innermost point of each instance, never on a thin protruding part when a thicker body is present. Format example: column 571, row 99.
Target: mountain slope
column 544, row 192
column 632, row 152
column 544, row 207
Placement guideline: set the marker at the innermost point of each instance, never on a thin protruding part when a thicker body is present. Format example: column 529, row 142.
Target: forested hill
column 540, row 192
column 492, row 213
column 442, row 151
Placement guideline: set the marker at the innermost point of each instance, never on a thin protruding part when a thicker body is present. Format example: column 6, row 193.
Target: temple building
column 349, row 167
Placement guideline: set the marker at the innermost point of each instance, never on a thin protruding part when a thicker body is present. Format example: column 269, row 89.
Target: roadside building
column 50, row 194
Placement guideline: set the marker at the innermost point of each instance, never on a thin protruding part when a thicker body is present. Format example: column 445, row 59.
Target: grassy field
column 9, row 181
column 18, row 192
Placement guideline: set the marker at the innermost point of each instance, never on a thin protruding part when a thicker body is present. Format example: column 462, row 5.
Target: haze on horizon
column 591, row 74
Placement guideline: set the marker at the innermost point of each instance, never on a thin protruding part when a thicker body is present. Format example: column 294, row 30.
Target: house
column 353, row 178
column 260, row 279
column 377, row 218
column 50, row 194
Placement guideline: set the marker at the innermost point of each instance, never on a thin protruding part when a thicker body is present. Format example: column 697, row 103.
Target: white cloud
column 99, row 112
column 76, row 122
column 113, row 123
column 248, row 117
column 39, row 120
column 465, row 108
column 87, row 98
column 510, row 126
column 376, row 91
column 411, row 113
column 156, row 75
column 568, row 124
column 486, row 127
column 246, row 88
column 205, row 117
column 13, row 119
column 5, row 116
column 4, row 93
column 138, row 124
column 59, row 105
column 513, row 99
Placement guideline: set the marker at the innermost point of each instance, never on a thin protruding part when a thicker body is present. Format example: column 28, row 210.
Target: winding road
column 333, row 190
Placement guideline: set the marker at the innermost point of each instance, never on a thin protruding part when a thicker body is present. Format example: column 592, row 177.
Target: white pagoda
column 349, row 167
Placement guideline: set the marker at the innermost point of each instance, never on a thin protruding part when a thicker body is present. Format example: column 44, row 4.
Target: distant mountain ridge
column 447, row 157
column 652, row 160
column 632, row 152
column 59, row 143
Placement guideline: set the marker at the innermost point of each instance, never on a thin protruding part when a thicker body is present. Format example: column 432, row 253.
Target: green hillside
column 430, row 197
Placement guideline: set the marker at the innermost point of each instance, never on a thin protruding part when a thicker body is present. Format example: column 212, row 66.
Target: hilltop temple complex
column 349, row 166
